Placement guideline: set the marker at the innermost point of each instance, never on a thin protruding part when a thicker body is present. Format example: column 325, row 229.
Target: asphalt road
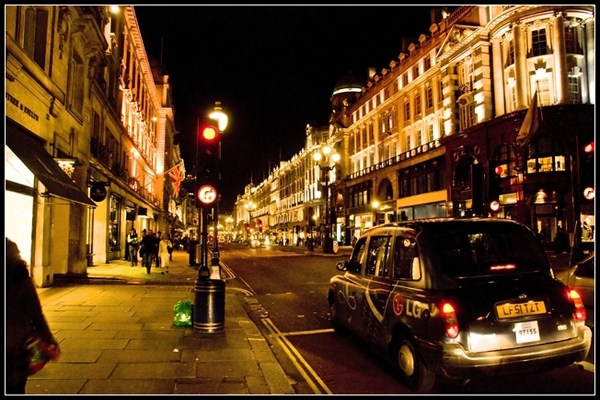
column 290, row 286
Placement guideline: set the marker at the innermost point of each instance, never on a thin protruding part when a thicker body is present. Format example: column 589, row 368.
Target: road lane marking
column 314, row 381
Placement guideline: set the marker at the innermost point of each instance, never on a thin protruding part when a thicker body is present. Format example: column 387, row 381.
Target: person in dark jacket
column 23, row 316
column 147, row 250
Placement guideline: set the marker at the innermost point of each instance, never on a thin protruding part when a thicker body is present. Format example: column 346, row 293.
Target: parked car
column 581, row 278
column 460, row 298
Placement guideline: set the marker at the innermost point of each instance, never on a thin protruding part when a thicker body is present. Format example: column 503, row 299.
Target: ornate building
column 442, row 130
column 90, row 129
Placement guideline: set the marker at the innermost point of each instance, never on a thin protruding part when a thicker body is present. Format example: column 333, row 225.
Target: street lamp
column 229, row 222
column 209, row 290
column 250, row 206
column 218, row 115
column 324, row 158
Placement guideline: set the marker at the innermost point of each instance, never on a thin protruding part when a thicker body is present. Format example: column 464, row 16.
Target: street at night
column 300, row 199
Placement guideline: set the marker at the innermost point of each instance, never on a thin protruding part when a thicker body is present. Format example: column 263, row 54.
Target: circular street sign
column 207, row 194
column 98, row 192
column 495, row 205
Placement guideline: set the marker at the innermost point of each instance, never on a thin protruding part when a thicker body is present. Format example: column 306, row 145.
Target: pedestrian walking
column 165, row 247
column 147, row 250
column 133, row 246
column 24, row 319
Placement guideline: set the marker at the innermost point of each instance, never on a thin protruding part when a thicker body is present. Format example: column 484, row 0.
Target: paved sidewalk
column 117, row 337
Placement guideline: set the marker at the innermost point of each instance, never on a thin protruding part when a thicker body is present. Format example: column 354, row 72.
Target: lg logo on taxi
column 414, row 308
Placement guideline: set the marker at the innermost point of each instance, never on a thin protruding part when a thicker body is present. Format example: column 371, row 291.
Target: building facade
column 90, row 132
column 442, row 131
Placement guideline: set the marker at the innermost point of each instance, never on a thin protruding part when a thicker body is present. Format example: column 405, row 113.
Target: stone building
column 89, row 129
column 442, row 130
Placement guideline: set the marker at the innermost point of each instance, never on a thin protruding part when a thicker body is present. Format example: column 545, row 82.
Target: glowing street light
column 250, row 207
column 327, row 161
column 209, row 299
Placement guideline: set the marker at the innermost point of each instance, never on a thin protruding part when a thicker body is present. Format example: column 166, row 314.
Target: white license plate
column 527, row 332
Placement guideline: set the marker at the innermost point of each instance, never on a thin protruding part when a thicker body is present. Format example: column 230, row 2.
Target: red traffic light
column 498, row 170
column 209, row 133
column 589, row 148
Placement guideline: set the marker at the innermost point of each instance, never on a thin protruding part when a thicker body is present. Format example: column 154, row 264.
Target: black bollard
column 192, row 251
column 209, row 306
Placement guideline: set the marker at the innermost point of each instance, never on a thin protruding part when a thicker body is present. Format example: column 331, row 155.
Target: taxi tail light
column 451, row 323
column 580, row 313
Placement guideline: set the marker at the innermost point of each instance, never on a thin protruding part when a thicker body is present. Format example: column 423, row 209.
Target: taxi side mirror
column 342, row 265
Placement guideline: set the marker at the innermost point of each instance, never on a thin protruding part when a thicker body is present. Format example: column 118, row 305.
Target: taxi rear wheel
column 413, row 372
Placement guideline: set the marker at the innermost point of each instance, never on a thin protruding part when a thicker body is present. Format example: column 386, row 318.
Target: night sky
column 272, row 67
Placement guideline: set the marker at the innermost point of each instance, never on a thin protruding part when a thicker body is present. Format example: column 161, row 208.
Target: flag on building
column 175, row 173
column 530, row 124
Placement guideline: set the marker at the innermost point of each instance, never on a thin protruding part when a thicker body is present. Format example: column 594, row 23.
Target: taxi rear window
column 483, row 250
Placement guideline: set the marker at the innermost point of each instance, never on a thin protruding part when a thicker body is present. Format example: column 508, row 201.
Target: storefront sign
column 98, row 192
column 14, row 101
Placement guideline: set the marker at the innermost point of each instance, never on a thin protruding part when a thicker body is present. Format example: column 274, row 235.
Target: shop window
column 504, row 157
column 545, row 155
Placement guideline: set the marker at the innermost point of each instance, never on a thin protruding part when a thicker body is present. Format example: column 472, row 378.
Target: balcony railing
column 100, row 151
column 396, row 159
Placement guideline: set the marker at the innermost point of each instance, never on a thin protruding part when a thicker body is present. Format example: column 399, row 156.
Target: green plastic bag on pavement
column 182, row 313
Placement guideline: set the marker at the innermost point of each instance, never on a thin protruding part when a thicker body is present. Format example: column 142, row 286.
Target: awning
column 42, row 165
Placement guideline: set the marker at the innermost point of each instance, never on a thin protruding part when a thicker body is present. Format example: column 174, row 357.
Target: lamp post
column 228, row 227
column 324, row 157
column 218, row 115
column 209, row 290
column 250, row 206
column 375, row 205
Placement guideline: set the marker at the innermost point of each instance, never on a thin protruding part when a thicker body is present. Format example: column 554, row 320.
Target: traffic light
column 260, row 225
column 247, row 227
column 559, row 211
column 208, row 156
column 586, row 172
column 494, row 188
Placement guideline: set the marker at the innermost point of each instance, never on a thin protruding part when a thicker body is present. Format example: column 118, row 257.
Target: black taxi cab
column 460, row 298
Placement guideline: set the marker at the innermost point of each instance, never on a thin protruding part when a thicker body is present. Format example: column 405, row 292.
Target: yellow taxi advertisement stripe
column 299, row 362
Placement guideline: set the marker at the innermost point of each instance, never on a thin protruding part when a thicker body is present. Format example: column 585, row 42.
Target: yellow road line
column 314, row 381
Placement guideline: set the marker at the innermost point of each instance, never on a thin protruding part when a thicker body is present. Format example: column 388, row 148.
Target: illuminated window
column 511, row 53
column 545, row 156
column 427, row 63
column 574, row 94
column 428, row 98
column 418, row 104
